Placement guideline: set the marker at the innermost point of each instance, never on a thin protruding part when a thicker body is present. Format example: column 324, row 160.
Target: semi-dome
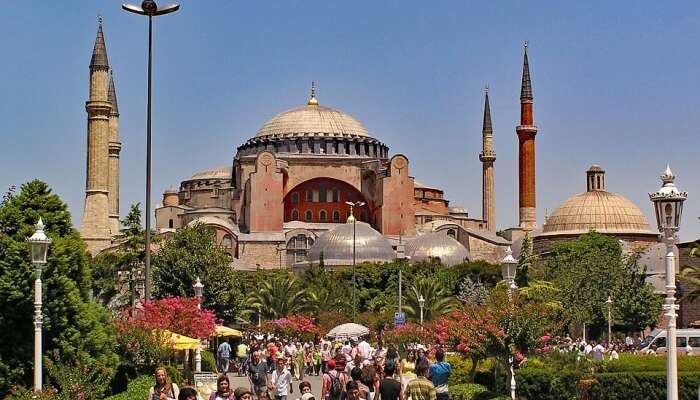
column 596, row 209
column 222, row 172
column 336, row 246
column 437, row 246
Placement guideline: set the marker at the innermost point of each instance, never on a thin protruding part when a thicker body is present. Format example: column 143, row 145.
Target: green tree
column 588, row 270
column 525, row 261
column 278, row 297
column 76, row 330
column 192, row 252
column 690, row 275
column 438, row 300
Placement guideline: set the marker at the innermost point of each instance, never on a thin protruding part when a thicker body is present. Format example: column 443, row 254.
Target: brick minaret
column 95, row 228
column 115, row 148
column 526, row 162
column 487, row 157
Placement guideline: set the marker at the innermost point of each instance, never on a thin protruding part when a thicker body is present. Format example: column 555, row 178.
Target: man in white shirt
column 597, row 352
column 363, row 349
column 629, row 342
column 281, row 381
column 290, row 348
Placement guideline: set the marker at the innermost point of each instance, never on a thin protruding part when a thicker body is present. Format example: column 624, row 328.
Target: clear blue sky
column 615, row 83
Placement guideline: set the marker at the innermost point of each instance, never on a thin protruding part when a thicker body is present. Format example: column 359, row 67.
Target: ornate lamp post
column 421, row 304
column 198, row 293
column 39, row 244
column 352, row 220
column 668, row 208
column 509, row 265
column 150, row 9
column 135, row 278
column 609, row 303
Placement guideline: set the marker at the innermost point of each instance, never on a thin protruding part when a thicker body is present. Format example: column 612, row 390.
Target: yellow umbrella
column 224, row 331
column 180, row 342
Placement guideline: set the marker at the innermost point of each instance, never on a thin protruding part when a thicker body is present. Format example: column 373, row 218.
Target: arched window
column 309, row 216
column 451, row 233
column 322, row 216
column 227, row 242
column 336, row 216
column 170, row 223
column 295, row 215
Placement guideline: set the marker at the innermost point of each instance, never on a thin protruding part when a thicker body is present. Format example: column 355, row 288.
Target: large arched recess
column 306, row 202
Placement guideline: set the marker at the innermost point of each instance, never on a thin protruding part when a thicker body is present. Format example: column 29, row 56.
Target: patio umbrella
column 224, row 331
column 180, row 342
column 346, row 331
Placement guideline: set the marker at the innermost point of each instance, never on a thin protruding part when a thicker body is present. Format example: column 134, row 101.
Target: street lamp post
column 421, row 304
column 668, row 208
column 351, row 218
column 150, row 9
column 198, row 293
column 39, row 244
column 609, row 303
column 134, row 277
column 509, row 266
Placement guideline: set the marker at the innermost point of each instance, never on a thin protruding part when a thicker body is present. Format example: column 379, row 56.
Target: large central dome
column 312, row 120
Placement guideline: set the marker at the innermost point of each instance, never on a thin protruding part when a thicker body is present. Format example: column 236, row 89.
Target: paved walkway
column 316, row 383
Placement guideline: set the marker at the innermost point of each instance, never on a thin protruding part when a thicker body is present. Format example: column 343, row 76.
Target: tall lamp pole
column 351, row 218
column 198, row 293
column 509, row 266
column 421, row 304
column 150, row 9
column 668, row 208
column 39, row 244
column 609, row 303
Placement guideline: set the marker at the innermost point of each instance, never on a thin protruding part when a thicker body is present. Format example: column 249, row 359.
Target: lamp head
column 39, row 243
column 509, row 266
column 198, row 288
column 668, row 203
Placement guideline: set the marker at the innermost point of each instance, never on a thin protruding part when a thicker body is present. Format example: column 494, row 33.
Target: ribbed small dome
column 312, row 120
column 336, row 245
column 223, row 172
column 597, row 210
column 436, row 246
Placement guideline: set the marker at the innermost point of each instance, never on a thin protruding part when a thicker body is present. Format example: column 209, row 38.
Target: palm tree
column 278, row 297
column 690, row 275
column 438, row 300
column 323, row 299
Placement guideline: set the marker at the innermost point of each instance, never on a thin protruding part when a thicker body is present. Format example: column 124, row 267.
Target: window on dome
column 309, row 216
column 227, row 242
column 451, row 233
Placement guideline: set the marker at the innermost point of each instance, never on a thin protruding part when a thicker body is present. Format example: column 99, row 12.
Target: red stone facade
column 322, row 200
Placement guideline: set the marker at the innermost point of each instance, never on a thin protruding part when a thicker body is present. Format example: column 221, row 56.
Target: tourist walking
column 421, row 388
column 439, row 373
column 408, row 368
column 242, row 393
column 223, row 389
column 187, row 393
column 281, row 381
column 224, row 354
column 353, row 391
column 257, row 375
column 334, row 383
column 389, row 387
column 163, row 388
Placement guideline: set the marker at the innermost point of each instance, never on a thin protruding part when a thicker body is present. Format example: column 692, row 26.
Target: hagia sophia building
column 283, row 199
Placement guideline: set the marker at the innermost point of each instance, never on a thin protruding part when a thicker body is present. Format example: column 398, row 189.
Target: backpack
column 336, row 389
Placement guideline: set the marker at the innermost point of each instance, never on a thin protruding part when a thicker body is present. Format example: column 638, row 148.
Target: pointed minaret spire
column 487, row 157
column 99, row 52
column 112, row 95
column 526, row 87
column 312, row 100
column 526, row 152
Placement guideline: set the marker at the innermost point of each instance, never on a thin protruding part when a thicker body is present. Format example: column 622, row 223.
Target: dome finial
column 312, row 100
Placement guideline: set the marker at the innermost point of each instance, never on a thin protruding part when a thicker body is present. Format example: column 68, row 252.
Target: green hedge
column 549, row 384
column 466, row 391
column 137, row 389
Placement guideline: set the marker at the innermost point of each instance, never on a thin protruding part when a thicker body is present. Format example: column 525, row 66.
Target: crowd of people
column 351, row 369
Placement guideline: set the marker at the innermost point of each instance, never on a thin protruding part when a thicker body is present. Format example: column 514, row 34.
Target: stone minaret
column 115, row 148
column 487, row 157
column 95, row 228
column 526, row 162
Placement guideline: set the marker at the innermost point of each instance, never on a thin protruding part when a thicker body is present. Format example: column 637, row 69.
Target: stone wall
column 262, row 254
